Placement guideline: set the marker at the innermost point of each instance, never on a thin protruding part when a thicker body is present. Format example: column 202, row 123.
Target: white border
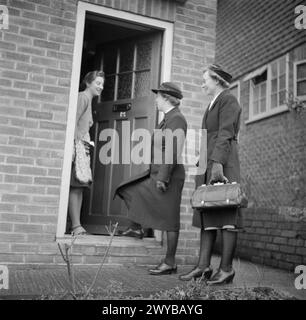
column 295, row 64
column 166, row 63
column 270, row 112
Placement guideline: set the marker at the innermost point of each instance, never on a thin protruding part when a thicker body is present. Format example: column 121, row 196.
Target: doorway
column 130, row 57
column 119, row 25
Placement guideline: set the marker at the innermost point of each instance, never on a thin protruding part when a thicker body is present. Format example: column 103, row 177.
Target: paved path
column 30, row 281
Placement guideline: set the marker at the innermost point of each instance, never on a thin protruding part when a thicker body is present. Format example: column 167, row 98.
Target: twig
column 67, row 260
column 103, row 260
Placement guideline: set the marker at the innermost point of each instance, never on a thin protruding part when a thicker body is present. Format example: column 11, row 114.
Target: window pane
column 262, row 105
column 256, row 93
column 282, row 65
column 263, row 90
column 109, row 88
column 282, row 82
column 142, row 84
column 301, row 71
column 301, row 88
column 124, row 86
column 144, row 55
column 274, row 70
column 273, row 101
column 109, row 61
column 255, row 107
column 126, row 57
column 274, row 85
column 282, row 97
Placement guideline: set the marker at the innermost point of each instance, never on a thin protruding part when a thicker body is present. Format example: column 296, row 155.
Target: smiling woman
column 94, row 82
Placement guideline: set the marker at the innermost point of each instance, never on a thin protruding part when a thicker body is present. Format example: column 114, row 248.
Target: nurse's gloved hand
column 161, row 186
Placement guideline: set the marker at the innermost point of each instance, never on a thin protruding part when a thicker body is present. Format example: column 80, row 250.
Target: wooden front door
column 132, row 68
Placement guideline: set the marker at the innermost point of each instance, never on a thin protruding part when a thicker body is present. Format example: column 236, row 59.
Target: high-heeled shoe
column 222, row 277
column 163, row 268
column 197, row 273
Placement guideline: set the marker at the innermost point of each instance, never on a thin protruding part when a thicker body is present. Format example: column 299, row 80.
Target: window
column 300, row 80
column 268, row 89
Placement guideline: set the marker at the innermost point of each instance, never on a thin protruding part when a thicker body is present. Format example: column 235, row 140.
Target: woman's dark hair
column 172, row 100
column 91, row 76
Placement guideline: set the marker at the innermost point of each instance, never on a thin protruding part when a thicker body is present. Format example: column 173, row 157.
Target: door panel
column 131, row 69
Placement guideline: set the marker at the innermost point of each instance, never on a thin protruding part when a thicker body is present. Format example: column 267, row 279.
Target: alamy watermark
column 300, row 20
column 4, row 277
column 300, row 280
column 164, row 147
column 4, row 17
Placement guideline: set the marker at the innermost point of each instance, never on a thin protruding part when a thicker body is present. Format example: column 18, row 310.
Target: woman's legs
column 75, row 204
column 172, row 240
column 229, row 241
column 208, row 239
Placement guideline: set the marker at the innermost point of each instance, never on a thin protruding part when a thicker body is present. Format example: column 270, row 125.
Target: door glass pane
column 301, row 71
column 301, row 88
column 126, row 58
column 143, row 60
column 109, row 88
column 110, row 60
column 142, row 84
column 274, row 100
column 124, row 86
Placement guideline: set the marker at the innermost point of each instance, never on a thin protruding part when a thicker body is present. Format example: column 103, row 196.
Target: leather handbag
column 219, row 195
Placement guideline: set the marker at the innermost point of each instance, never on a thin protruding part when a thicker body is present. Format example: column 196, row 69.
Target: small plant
column 294, row 103
column 65, row 251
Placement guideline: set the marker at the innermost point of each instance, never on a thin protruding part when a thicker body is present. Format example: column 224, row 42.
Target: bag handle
column 225, row 181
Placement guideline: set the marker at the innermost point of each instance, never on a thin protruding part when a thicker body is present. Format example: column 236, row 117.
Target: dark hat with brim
column 221, row 72
column 169, row 88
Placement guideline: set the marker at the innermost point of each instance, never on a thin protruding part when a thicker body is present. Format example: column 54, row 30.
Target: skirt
column 152, row 208
column 74, row 182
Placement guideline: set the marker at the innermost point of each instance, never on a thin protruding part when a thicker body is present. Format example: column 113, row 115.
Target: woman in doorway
column 93, row 83
column 221, row 120
column 153, row 198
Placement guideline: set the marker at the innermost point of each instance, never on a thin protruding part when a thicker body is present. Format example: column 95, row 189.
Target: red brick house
column 49, row 45
column 257, row 41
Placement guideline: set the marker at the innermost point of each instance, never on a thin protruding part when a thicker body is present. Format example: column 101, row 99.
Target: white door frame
column 166, row 27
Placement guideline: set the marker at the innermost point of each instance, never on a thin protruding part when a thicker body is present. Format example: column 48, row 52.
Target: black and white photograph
column 152, row 150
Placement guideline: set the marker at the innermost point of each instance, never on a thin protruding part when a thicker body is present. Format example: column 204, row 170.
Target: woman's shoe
column 78, row 231
column 129, row 232
column 197, row 273
column 163, row 268
column 222, row 277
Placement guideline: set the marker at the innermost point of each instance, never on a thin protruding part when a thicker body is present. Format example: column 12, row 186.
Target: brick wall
column 272, row 150
column 35, row 70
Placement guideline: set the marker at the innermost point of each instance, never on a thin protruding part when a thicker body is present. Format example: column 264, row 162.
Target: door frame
column 165, row 75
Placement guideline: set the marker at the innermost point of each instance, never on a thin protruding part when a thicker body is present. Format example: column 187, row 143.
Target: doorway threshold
column 98, row 240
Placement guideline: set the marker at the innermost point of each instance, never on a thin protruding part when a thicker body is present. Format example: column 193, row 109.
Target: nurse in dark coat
column 221, row 120
column 153, row 199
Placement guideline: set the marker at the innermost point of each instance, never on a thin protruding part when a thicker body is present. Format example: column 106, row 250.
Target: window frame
column 295, row 66
column 269, row 111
